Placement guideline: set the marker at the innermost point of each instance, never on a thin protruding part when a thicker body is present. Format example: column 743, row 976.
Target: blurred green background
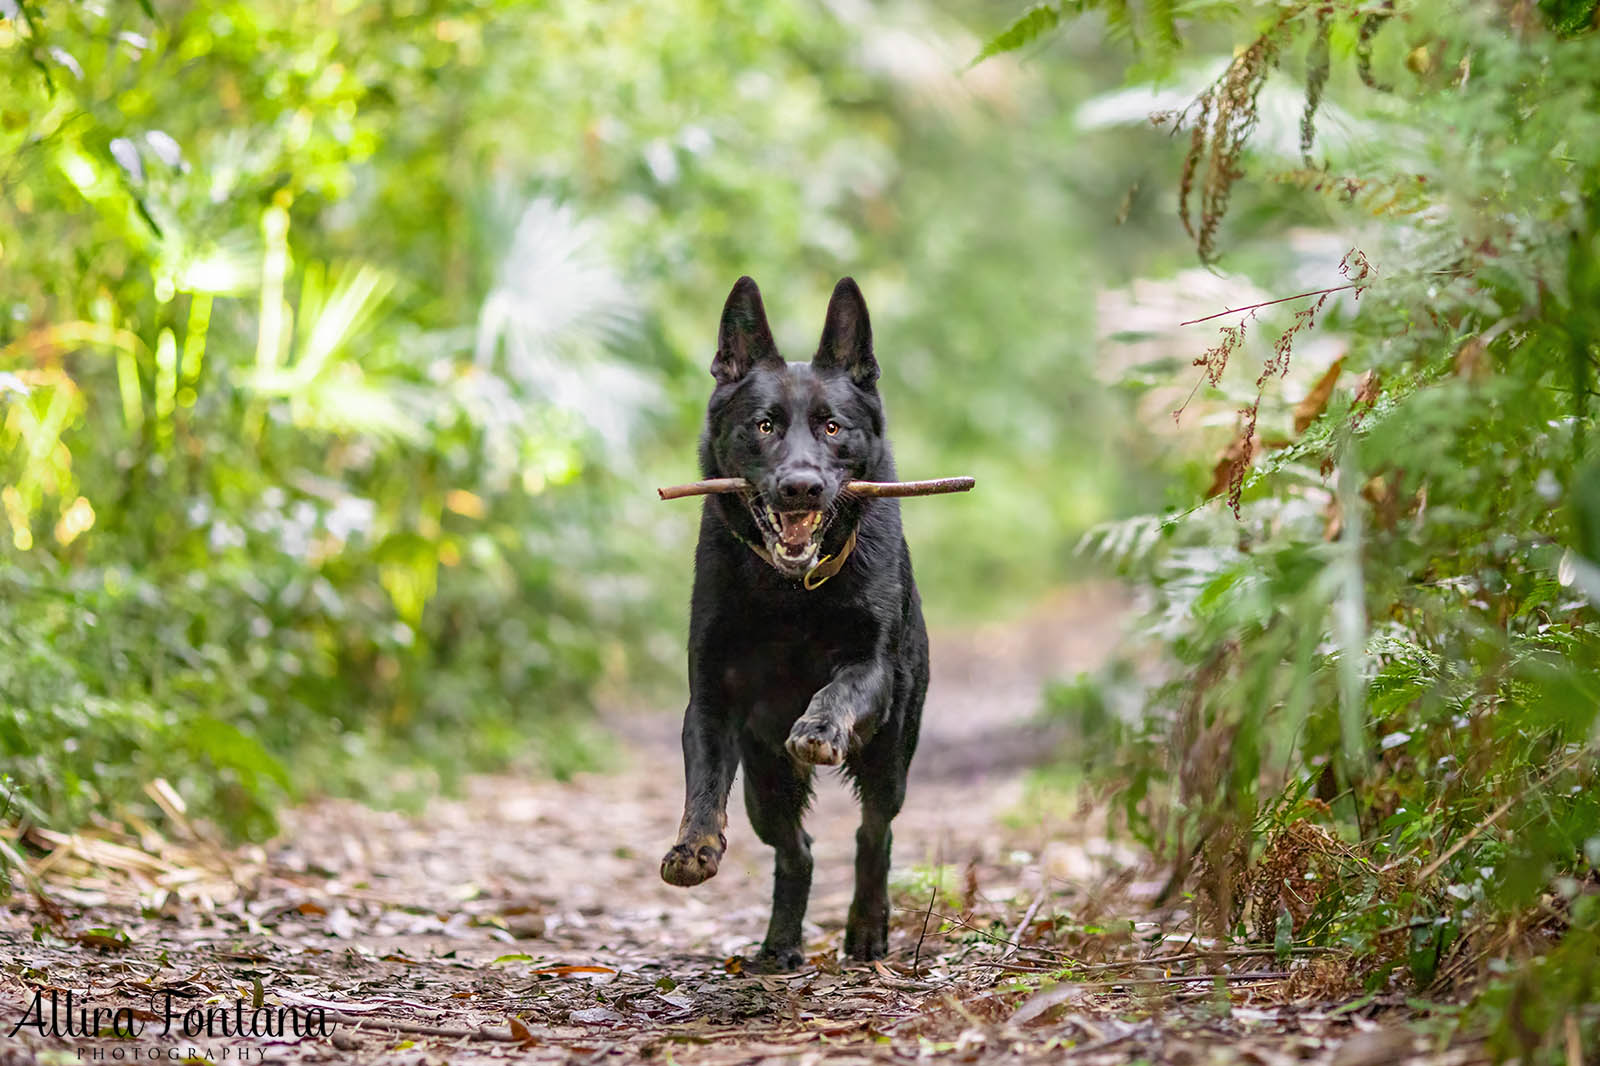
column 343, row 345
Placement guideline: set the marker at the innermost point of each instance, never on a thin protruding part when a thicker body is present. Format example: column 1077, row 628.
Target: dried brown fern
column 1317, row 67
column 1191, row 159
column 1226, row 115
column 1354, row 266
column 1214, row 361
column 1222, row 119
column 1369, row 30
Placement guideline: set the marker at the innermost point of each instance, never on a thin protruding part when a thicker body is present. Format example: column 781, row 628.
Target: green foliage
column 1376, row 723
column 1151, row 28
column 923, row 886
column 340, row 347
column 1033, row 24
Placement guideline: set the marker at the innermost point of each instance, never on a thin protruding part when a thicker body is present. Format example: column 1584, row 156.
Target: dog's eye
column 765, row 426
column 831, row 427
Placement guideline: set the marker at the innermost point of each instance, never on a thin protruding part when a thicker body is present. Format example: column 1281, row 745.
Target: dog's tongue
column 797, row 528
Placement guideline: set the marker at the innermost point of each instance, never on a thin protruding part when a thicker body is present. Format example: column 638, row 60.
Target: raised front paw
column 691, row 863
column 818, row 740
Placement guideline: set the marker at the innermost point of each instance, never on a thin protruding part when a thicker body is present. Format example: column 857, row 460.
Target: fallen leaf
column 1234, row 454
column 564, row 970
column 1368, row 386
column 528, row 925
column 341, row 924
column 1041, row 1002
column 595, row 1016
column 1375, row 1048
column 520, row 1032
column 326, row 1004
column 1309, row 409
column 104, row 939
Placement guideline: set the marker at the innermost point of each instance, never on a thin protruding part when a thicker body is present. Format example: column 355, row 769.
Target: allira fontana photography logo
column 64, row 1014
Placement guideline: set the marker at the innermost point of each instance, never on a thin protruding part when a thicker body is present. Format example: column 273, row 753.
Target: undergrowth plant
column 340, row 347
column 272, row 520
column 1375, row 723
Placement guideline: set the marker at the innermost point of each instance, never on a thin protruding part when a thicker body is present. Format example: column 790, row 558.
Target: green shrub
column 1374, row 722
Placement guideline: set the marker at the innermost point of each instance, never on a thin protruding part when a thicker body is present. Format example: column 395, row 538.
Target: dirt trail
column 525, row 920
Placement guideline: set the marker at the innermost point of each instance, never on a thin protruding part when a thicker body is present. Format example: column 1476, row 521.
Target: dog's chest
column 769, row 676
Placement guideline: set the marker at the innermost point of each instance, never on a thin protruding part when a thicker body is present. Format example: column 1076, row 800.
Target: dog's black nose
column 802, row 489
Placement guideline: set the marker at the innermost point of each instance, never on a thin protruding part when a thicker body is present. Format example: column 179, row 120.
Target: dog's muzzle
column 793, row 538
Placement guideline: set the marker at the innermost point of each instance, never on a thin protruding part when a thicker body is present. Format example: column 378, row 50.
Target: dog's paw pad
column 818, row 741
column 687, row 865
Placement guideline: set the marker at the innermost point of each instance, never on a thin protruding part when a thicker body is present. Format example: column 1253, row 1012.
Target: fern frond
column 1120, row 22
column 1164, row 24
column 1034, row 23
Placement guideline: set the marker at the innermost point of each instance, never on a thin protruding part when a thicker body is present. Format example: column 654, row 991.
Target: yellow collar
column 826, row 567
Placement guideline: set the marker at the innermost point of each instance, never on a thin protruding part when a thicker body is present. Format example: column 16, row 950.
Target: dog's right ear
column 744, row 338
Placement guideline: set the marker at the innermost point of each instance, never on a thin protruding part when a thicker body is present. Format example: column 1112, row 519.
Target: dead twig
column 359, row 1021
column 1450, row 852
column 1499, row 812
column 916, row 958
column 1226, row 953
column 1027, row 919
column 1157, row 960
column 874, row 489
column 962, row 923
column 1169, row 960
column 1269, row 303
column 1190, row 979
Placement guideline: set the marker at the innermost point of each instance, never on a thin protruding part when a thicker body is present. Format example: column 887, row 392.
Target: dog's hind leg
column 880, row 774
column 776, row 792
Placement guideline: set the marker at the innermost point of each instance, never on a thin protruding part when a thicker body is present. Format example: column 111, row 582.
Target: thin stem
column 1269, row 303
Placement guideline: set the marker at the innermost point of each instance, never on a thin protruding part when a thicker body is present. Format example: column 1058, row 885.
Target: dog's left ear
column 847, row 336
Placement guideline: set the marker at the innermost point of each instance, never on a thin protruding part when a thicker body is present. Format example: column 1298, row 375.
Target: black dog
column 806, row 644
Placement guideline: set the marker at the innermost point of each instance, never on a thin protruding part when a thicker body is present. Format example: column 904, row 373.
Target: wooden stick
column 704, row 488
column 936, row 487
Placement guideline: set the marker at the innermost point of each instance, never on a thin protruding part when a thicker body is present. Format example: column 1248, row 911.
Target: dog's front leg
column 844, row 708
column 710, row 757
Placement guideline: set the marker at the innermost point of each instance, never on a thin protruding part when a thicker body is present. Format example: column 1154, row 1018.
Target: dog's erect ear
column 847, row 336
column 744, row 338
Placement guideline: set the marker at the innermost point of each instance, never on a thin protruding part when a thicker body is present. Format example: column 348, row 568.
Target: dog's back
column 807, row 645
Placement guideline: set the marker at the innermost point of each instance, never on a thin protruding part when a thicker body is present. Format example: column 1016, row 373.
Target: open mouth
column 794, row 538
